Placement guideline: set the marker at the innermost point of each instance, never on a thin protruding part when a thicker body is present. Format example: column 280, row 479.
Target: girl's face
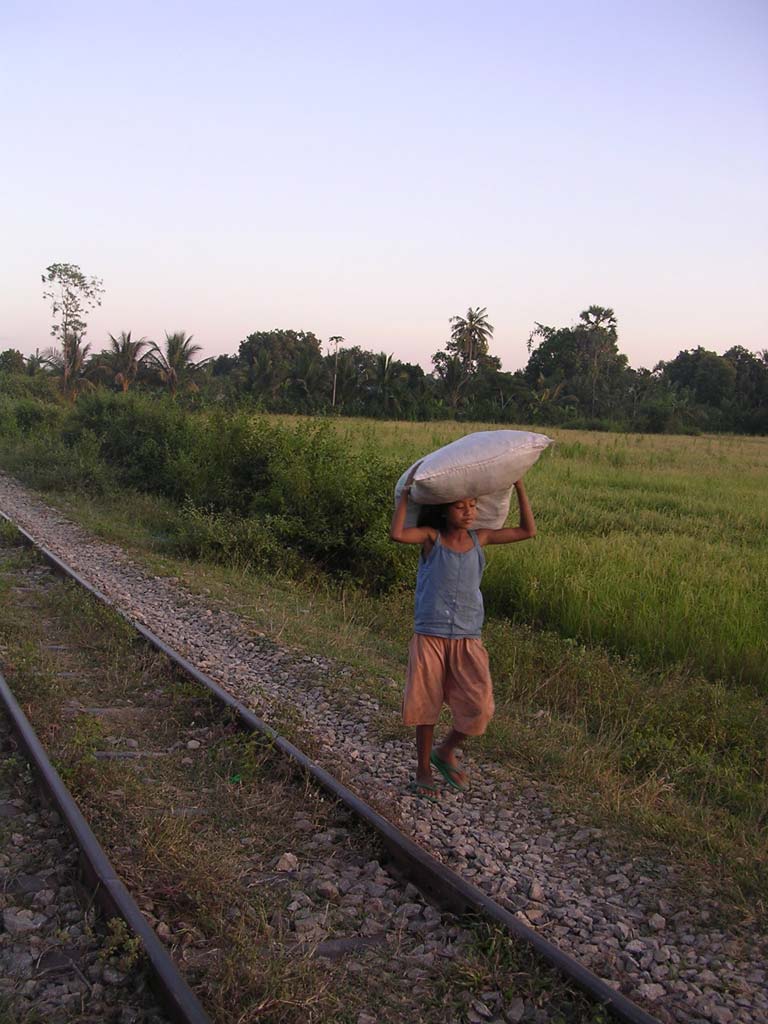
column 461, row 514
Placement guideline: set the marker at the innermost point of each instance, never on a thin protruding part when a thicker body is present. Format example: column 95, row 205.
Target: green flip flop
column 427, row 790
column 448, row 772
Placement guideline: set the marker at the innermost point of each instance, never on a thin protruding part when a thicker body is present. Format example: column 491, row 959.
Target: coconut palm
column 70, row 365
column 546, row 396
column 34, row 364
column 175, row 365
column 470, row 335
column 451, row 376
column 306, row 380
column 352, row 376
column 384, row 380
column 122, row 361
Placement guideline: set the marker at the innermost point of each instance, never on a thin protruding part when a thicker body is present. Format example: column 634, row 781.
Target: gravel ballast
column 54, row 965
column 631, row 918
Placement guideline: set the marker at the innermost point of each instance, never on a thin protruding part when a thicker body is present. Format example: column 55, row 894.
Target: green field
column 656, row 546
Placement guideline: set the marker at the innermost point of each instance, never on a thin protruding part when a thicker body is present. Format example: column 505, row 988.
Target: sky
column 371, row 169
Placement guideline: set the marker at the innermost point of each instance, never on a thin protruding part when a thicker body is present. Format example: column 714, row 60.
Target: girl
column 447, row 661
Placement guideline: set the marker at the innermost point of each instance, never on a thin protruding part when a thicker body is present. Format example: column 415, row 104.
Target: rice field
column 655, row 546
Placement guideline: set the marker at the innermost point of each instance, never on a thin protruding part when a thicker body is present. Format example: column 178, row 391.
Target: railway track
column 446, row 889
column 57, row 953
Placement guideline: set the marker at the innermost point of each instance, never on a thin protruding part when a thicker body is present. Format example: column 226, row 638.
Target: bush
column 332, row 503
column 41, row 386
column 44, row 460
column 144, row 440
column 242, row 481
column 229, row 539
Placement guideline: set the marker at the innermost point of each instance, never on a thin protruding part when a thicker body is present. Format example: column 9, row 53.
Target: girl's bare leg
column 447, row 752
column 424, row 734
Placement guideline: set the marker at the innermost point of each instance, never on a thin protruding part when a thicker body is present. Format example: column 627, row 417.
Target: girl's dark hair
column 435, row 516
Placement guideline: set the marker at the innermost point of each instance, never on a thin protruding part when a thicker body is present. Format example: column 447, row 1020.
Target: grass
column 667, row 755
column 655, row 546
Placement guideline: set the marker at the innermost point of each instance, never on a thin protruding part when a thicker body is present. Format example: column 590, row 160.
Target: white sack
column 483, row 465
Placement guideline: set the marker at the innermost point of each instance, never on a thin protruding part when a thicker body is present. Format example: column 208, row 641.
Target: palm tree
column 70, row 364
column 470, row 335
column 34, row 364
column 175, row 365
column 600, row 323
column 306, row 378
column 547, row 396
column 452, row 376
column 335, row 340
column 383, row 382
column 351, row 378
column 122, row 361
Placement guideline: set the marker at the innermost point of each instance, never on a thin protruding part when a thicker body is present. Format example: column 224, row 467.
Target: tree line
column 575, row 375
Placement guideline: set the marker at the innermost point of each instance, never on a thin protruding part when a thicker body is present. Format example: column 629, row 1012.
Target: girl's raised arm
column 525, row 531
column 401, row 533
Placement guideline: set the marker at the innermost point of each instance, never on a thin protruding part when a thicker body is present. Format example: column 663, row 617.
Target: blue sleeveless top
column 448, row 598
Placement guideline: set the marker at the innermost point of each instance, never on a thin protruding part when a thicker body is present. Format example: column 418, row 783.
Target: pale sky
column 371, row 169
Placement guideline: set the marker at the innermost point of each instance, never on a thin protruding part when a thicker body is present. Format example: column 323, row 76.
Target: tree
column 270, row 357
column 306, row 384
column 34, row 364
column 123, row 359
column 499, row 395
column 710, row 378
column 751, row 385
column 12, row 361
column 70, row 365
column 545, row 399
column 470, row 336
column 451, row 378
column 585, row 356
column 601, row 334
column 175, row 366
column 221, row 366
column 354, row 370
column 335, row 340
column 386, row 379
column 71, row 294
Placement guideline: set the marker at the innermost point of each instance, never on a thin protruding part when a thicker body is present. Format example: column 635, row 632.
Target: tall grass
column 655, row 546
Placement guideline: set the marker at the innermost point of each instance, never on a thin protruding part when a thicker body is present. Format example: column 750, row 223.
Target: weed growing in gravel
column 10, row 766
column 120, row 946
column 493, row 963
column 82, row 739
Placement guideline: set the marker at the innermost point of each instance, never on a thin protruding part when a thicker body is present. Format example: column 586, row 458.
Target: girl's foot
column 450, row 770
column 425, row 788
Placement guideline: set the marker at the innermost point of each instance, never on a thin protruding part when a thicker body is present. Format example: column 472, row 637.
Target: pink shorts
column 454, row 672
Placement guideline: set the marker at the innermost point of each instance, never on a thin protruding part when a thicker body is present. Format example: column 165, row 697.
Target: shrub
column 44, row 460
column 310, row 492
column 143, row 439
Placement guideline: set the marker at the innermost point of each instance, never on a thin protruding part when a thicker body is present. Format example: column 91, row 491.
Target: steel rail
column 448, row 888
column 175, row 995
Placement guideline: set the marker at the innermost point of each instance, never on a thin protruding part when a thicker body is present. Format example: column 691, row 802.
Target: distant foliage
column 575, row 377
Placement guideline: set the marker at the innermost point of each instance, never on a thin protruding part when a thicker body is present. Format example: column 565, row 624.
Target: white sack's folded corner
column 483, row 465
